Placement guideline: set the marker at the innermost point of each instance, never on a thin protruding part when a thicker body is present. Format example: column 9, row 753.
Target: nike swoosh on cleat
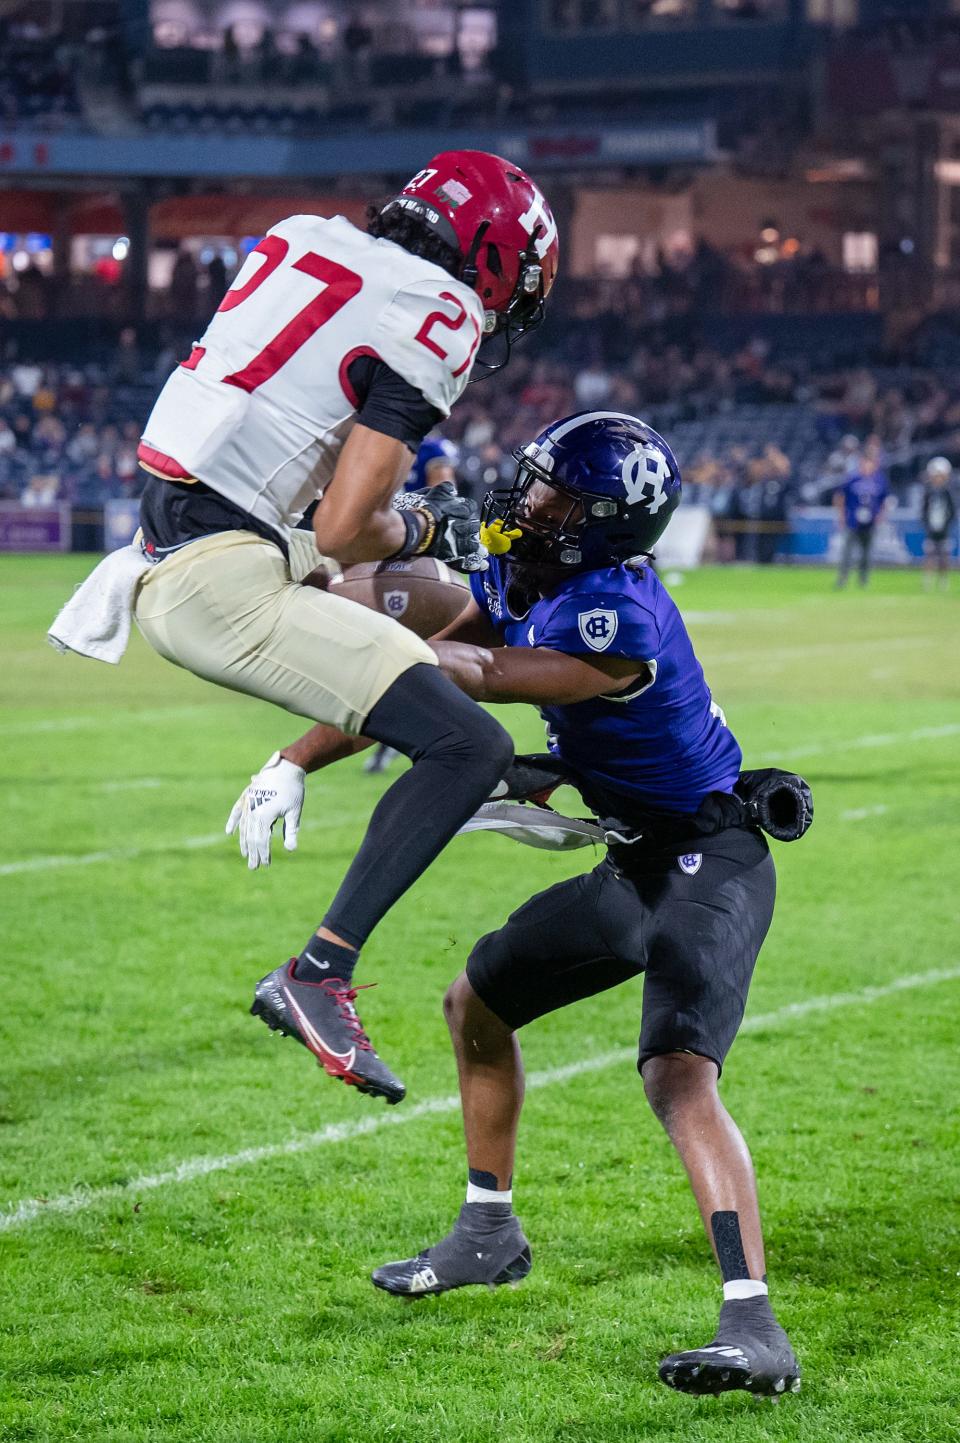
column 314, row 1040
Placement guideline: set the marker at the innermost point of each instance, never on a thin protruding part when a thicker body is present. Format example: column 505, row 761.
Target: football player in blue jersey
column 435, row 464
column 570, row 617
column 861, row 503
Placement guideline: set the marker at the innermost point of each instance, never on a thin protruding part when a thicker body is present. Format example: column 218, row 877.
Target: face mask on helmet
column 590, row 492
column 523, row 312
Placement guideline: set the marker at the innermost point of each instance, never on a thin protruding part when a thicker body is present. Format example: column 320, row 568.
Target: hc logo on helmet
column 645, row 473
column 598, row 628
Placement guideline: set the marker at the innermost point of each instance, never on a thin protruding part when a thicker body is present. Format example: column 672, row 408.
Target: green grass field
column 191, row 1211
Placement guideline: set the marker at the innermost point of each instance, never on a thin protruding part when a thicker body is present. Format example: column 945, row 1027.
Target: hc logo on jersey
column 690, row 862
column 644, row 474
column 598, row 628
column 396, row 602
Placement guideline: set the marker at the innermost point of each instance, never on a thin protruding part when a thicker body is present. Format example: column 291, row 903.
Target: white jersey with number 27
column 263, row 405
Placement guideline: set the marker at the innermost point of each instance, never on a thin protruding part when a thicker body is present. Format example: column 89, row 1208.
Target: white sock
column 744, row 1288
column 477, row 1194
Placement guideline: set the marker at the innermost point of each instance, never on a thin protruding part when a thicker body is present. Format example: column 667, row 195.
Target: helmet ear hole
column 494, row 263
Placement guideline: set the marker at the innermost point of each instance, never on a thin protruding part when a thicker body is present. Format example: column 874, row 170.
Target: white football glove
column 276, row 791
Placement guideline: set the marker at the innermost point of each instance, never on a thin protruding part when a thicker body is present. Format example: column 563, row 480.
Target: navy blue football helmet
column 622, row 482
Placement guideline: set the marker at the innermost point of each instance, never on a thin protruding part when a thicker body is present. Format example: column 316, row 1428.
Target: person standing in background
column 939, row 511
column 435, row 465
column 861, row 501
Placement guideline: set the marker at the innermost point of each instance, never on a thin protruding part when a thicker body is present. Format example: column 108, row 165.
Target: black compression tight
column 459, row 753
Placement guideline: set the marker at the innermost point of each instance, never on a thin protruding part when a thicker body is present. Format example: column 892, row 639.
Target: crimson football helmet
column 502, row 226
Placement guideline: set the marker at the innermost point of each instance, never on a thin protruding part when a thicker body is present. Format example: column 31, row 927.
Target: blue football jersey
column 664, row 743
column 863, row 497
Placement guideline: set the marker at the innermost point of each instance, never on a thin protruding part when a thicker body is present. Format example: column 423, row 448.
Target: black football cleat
column 485, row 1248
column 322, row 1016
column 750, row 1352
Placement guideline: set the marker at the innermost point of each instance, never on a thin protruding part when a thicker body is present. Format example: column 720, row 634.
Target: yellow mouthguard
column 496, row 540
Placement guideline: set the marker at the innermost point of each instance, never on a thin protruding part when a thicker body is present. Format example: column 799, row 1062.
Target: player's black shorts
column 692, row 924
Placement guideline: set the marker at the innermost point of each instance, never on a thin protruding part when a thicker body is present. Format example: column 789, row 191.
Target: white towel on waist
column 96, row 620
column 535, row 826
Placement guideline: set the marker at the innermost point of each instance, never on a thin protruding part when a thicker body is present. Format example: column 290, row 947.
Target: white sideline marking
column 860, row 814
column 880, row 739
column 82, row 1199
column 129, row 854
column 820, row 648
column 120, row 854
column 131, row 784
column 94, row 721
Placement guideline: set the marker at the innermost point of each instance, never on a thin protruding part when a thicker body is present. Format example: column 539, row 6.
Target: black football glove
column 453, row 526
column 531, row 778
column 781, row 803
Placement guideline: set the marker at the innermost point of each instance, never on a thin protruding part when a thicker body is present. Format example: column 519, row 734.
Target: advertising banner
column 815, row 536
column 25, row 528
column 121, row 517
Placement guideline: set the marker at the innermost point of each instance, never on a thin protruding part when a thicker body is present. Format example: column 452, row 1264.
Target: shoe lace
column 345, row 996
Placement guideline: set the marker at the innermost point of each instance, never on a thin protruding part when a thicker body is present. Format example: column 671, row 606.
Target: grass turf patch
column 236, row 1305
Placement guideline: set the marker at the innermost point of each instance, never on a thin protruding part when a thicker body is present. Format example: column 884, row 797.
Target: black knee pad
column 423, row 713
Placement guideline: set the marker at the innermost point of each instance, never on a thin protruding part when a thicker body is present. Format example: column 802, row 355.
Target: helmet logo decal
column 453, row 193
column 539, row 214
column 598, row 628
column 644, row 473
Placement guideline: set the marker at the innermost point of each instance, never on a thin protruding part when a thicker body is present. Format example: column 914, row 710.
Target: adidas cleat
column 750, row 1352
column 486, row 1248
column 322, row 1016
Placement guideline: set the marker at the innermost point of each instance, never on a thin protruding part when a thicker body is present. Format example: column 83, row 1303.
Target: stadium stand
column 736, row 421
column 37, row 81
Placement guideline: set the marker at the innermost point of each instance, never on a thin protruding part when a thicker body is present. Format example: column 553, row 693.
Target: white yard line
column 879, row 739
column 81, row 1200
column 118, row 854
column 779, row 649
column 131, row 784
column 129, row 854
column 862, row 814
column 95, row 721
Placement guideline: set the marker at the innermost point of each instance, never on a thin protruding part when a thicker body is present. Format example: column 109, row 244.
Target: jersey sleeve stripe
column 346, row 363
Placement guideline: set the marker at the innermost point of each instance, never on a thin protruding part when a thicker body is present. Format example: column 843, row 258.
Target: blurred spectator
column 861, row 503
column 41, row 490
column 183, row 286
column 127, row 364
column 32, row 294
column 216, row 282
column 226, row 61
column 939, row 511
column 591, row 386
column 358, row 45
column 306, row 62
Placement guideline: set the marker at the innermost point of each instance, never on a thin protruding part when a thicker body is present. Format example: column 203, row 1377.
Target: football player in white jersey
column 331, row 357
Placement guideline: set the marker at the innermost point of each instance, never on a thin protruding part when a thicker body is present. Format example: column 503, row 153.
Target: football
column 422, row 594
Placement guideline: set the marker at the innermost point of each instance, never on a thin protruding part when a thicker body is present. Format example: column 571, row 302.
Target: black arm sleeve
column 389, row 404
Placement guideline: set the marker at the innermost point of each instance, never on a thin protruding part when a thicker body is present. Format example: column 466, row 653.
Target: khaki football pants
column 231, row 610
